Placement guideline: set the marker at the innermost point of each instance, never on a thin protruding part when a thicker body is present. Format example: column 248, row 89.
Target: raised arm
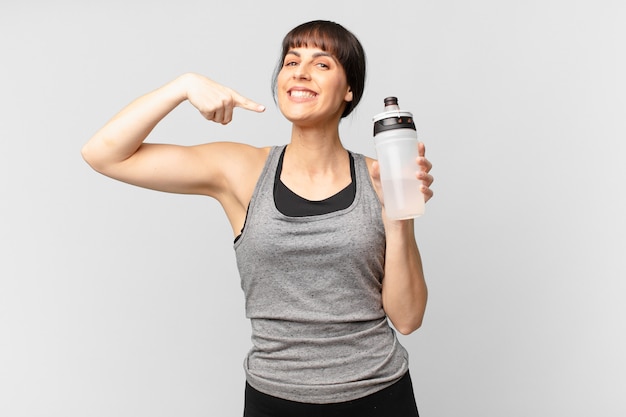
column 404, row 290
column 118, row 149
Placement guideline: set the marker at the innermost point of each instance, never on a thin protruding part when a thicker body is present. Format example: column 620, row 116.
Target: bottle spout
column 391, row 104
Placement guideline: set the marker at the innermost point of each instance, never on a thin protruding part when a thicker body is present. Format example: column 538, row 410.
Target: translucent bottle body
column 397, row 154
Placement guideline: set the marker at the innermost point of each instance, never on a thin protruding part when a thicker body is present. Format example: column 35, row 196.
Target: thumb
column 375, row 171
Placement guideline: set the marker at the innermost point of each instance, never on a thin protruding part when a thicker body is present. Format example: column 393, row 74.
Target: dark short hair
column 333, row 38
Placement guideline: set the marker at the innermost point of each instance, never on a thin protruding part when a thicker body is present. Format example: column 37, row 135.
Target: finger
column 421, row 159
column 425, row 178
column 218, row 116
column 428, row 193
column 209, row 115
column 421, row 149
column 246, row 103
column 424, row 164
column 227, row 116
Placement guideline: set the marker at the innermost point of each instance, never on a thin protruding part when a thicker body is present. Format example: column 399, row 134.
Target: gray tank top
column 312, row 289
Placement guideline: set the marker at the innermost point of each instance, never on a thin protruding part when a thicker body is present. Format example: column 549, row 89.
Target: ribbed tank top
column 312, row 289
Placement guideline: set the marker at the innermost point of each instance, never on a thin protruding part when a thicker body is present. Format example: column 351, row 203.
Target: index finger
column 421, row 149
column 246, row 103
column 421, row 160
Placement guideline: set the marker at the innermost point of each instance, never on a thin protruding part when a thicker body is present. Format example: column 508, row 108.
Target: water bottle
column 395, row 138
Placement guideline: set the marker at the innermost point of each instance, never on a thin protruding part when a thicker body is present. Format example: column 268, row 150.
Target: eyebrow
column 315, row 55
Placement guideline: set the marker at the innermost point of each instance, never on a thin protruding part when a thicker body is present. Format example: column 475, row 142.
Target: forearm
column 404, row 290
column 122, row 136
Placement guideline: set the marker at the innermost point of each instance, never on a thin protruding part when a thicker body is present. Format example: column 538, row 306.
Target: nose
column 301, row 73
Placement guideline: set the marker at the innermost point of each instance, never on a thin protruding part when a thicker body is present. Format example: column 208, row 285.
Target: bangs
column 325, row 36
column 313, row 37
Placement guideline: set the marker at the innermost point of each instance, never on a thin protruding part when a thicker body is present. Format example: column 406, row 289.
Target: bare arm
column 404, row 287
column 404, row 290
column 118, row 149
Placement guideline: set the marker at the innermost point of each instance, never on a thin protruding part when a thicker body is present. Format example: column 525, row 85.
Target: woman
column 312, row 240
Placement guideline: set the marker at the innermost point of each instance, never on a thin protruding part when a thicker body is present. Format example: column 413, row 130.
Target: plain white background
column 119, row 301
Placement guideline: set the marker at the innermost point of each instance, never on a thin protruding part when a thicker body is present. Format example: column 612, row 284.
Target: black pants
column 397, row 400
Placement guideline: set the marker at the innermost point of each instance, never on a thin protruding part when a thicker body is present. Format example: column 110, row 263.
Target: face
column 312, row 87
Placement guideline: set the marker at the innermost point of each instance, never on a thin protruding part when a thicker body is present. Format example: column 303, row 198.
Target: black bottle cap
column 391, row 123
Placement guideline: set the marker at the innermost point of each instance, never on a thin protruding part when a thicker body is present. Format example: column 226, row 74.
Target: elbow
column 408, row 328
column 408, row 318
column 407, row 325
column 87, row 155
column 91, row 158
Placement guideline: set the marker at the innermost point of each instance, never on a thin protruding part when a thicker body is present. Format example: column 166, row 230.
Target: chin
column 295, row 117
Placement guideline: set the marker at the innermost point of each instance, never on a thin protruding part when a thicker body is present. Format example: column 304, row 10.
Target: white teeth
column 302, row 94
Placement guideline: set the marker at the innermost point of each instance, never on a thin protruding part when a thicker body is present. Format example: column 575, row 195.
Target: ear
column 348, row 96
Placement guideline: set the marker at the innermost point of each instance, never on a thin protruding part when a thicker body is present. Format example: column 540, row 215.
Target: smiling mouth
column 302, row 94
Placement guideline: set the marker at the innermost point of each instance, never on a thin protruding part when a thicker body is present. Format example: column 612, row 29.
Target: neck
column 315, row 148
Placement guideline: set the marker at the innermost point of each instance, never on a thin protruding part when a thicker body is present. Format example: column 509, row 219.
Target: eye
column 322, row 65
column 290, row 63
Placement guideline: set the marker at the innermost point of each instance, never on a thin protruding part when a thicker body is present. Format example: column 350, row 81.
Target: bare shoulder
column 234, row 165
